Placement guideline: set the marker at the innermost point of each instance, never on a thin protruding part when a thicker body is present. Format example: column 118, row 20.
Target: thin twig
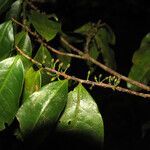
column 70, row 46
column 59, row 52
column 104, row 85
column 88, row 40
column 91, row 34
column 85, row 57
column 107, row 69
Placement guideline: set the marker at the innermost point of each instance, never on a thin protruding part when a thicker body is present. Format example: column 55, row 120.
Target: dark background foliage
column 124, row 115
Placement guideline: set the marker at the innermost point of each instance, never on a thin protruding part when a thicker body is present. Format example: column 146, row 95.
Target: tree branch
column 41, row 41
column 83, row 56
column 89, row 58
column 107, row 69
column 100, row 84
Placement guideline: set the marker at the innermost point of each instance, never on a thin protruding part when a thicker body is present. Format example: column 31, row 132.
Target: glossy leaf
column 82, row 116
column 104, row 38
column 42, row 109
column 45, row 27
column 22, row 40
column 32, row 83
column 43, row 56
column 6, row 39
column 140, row 71
column 4, row 4
column 15, row 10
column 11, row 82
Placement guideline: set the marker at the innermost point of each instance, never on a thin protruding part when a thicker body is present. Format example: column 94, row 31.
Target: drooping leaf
column 45, row 27
column 107, row 35
column 4, row 4
column 15, row 10
column 6, row 39
column 145, row 41
column 94, row 52
column 11, row 82
column 22, row 40
column 42, row 109
column 82, row 116
column 140, row 71
column 104, row 38
column 43, row 56
column 32, row 83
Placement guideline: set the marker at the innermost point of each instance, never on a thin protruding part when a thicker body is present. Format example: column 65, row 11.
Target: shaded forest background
column 124, row 115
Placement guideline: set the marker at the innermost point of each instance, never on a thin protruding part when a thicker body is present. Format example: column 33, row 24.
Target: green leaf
column 107, row 35
column 4, row 4
column 82, row 116
column 32, row 83
column 42, row 109
column 145, row 41
column 140, row 71
column 22, row 40
column 11, row 82
column 43, row 56
column 45, row 27
column 15, row 10
column 104, row 38
column 6, row 39
column 84, row 29
column 94, row 52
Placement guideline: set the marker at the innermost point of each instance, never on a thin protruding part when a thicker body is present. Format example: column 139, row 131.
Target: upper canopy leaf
column 15, row 10
column 6, row 39
column 4, row 4
column 23, row 41
column 43, row 56
column 45, row 27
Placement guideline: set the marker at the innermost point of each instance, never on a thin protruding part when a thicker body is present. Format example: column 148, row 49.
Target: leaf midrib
column 4, row 30
column 46, row 107
column 75, row 118
column 8, row 73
